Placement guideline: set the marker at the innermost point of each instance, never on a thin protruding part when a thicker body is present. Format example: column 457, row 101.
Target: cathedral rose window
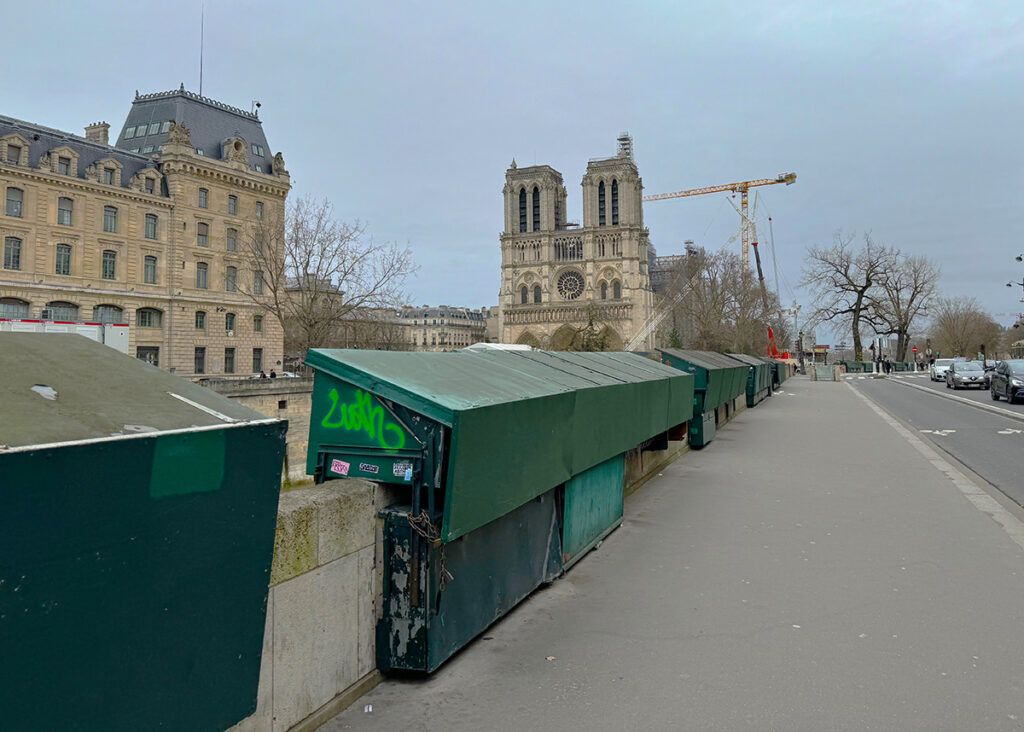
column 570, row 285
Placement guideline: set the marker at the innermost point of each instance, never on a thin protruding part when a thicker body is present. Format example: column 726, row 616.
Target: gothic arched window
column 536, row 294
column 522, row 209
column 615, row 202
column 617, row 290
column 604, row 290
column 524, row 295
column 600, row 203
column 536, row 208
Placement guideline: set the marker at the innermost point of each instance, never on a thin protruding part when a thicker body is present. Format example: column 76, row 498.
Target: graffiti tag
column 362, row 415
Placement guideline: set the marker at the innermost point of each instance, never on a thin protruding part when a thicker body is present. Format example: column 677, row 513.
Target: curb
column 1019, row 416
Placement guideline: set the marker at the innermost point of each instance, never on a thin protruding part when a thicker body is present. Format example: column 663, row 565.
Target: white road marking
column 978, row 497
column 940, row 433
column 1009, row 431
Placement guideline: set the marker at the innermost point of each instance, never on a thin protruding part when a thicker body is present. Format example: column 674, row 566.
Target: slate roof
column 210, row 123
column 43, row 139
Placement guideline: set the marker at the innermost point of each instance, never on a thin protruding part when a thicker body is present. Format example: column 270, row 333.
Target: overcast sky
column 902, row 119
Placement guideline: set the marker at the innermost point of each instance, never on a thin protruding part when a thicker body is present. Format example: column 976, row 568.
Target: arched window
column 536, row 294
column 149, row 270
column 536, row 208
column 257, row 282
column 12, row 252
column 60, row 310
column 110, row 219
column 15, row 199
column 62, row 263
column 12, row 307
column 229, row 322
column 202, row 234
column 604, row 290
column 522, row 209
column 231, row 280
column 200, row 320
column 600, row 204
column 617, row 290
column 204, row 198
column 615, row 202
column 257, row 323
column 232, row 244
column 151, row 226
column 202, row 275
column 148, row 318
column 524, row 295
column 108, row 265
column 65, row 211
column 108, row 314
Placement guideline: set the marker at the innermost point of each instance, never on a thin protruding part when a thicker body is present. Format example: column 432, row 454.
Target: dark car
column 1008, row 381
column 965, row 375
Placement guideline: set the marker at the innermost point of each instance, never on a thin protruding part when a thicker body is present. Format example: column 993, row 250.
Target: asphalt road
column 990, row 445
column 813, row 568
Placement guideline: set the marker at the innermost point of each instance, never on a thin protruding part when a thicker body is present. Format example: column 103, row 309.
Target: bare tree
column 312, row 271
column 904, row 294
column 960, row 326
column 842, row 279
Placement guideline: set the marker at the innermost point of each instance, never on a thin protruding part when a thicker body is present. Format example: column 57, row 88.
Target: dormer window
column 129, row 133
column 64, row 166
column 257, row 150
column 154, row 128
column 200, row 152
column 165, row 127
column 108, row 176
column 150, row 185
column 14, row 154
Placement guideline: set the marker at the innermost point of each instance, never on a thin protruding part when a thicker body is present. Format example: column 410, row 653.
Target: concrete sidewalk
column 809, row 570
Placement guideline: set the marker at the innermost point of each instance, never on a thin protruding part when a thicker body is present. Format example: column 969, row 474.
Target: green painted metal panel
column 592, row 507
column 759, row 380
column 719, row 376
column 136, row 539
column 485, row 574
column 520, row 423
column 702, row 431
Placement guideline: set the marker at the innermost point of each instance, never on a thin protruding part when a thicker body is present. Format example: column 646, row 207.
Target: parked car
column 937, row 371
column 1008, row 381
column 966, row 374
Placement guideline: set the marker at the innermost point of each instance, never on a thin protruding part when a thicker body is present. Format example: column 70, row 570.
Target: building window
column 151, row 226
column 149, row 270
column 108, row 269
column 257, row 360
column 12, row 253
column 63, row 261
column 110, row 219
column 536, row 208
column 148, row 318
column 536, row 294
column 617, row 290
column 232, row 205
column 202, row 278
column 108, row 176
column 600, row 203
column 154, row 128
column 65, row 211
column 259, row 210
column 12, row 307
column 524, row 295
column 147, row 149
column 64, row 166
column 229, row 322
column 60, row 310
column 257, row 150
column 108, row 314
column 149, row 354
column 202, row 234
column 129, row 133
column 604, row 290
column 229, row 360
column 522, row 210
column 204, row 198
column 232, row 239
column 231, row 279
column 200, row 359
column 150, row 185
column 200, row 320
column 165, row 126
column 257, row 282
column 615, row 202
column 200, row 152
column 15, row 199
column 257, row 323
column 14, row 154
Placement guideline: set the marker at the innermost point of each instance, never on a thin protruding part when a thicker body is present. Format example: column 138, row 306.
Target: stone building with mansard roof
column 148, row 231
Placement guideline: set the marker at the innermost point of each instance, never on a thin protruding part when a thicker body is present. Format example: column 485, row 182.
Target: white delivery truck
column 114, row 335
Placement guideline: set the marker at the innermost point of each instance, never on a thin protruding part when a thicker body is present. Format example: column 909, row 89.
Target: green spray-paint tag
column 364, row 420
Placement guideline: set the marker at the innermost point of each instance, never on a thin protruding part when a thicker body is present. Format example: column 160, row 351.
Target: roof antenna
column 202, row 29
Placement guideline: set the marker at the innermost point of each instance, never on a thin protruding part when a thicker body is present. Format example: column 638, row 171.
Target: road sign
column 914, row 349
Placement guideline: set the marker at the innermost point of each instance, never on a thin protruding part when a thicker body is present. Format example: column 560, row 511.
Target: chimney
column 98, row 132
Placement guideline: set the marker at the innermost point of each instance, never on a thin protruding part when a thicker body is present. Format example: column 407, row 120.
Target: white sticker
column 408, row 473
column 340, row 467
column 398, row 469
column 369, row 468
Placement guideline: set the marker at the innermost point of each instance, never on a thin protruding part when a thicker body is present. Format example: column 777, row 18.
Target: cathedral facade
column 567, row 286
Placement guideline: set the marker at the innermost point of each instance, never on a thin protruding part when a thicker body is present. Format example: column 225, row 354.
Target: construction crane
column 741, row 187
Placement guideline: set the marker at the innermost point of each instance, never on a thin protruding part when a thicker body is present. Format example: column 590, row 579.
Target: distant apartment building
column 443, row 328
column 149, row 231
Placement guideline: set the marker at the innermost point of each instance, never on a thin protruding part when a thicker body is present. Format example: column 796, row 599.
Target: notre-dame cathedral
column 560, row 279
